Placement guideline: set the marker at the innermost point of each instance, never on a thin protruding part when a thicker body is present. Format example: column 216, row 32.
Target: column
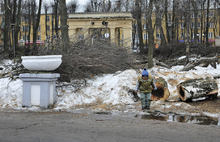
column 127, row 38
column 72, row 32
column 112, row 35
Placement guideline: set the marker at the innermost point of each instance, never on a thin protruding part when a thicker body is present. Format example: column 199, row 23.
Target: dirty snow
column 109, row 91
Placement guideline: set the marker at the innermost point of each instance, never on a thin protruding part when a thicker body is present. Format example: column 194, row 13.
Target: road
column 90, row 127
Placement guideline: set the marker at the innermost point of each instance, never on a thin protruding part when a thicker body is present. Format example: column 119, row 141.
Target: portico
column 116, row 27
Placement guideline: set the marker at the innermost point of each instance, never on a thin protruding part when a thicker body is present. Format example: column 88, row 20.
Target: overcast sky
column 80, row 2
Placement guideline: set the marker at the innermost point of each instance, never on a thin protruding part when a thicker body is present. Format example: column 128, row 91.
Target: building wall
column 118, row 23
column 119, row 26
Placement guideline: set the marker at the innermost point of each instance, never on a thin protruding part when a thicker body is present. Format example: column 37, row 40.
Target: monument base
column 39, row 89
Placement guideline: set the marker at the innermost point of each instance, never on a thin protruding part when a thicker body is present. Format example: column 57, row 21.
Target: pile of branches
column 85, row 59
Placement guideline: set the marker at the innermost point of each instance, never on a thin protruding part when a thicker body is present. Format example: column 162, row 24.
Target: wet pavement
column 98, row 127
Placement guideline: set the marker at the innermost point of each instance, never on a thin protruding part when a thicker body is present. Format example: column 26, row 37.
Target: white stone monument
column 39, row 88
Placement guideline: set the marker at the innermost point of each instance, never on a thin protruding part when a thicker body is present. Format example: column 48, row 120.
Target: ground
column 212, row 106
column 91, row 127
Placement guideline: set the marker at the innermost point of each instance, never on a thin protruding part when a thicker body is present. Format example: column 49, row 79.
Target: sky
column 80, row 2
column 105, row 92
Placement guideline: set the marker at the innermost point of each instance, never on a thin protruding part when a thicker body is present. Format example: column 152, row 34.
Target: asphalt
column 98, row 127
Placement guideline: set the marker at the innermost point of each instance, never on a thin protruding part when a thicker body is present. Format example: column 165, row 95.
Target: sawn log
column 197, row 88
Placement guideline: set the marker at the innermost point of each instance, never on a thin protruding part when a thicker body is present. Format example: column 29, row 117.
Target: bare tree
column 138, row 16
column 46, row 9
column 151, row 36
column 64, row 26
column 72, row 6
column 195, row 10
column 36, row 26
column 207, row 24
column 7, row 23
column 166, row 21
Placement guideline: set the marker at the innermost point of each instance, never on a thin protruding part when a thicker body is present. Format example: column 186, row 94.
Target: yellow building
column 24, row 29
column 117, row 27
column 182, row 30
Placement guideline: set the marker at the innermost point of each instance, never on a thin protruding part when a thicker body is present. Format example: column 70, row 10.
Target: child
column 145, row 85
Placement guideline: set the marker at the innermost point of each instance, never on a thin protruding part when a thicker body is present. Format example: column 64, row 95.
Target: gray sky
column 80, row 2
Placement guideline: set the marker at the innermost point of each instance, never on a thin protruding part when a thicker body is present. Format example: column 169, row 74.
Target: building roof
column 95, row 15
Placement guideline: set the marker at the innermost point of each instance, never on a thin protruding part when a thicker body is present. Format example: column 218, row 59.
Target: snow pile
column 108, row 89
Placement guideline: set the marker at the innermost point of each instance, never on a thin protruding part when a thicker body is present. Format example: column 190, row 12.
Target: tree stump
column 162, row 92
column 197, row 88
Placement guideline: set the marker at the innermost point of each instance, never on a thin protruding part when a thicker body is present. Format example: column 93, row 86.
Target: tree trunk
column 197, row 88
column 166, row 20
column 173, row 21
column 207, row 60
column 162, row 92
column 6, row 27
column 35, row 28
column 196, row 20
column 17, row 28
column 151, row 36
column 139, row 24
column 64, row 26
column 207, row 25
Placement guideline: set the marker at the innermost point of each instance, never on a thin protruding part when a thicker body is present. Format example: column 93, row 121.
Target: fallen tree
column 197, row 88
column 203, row 60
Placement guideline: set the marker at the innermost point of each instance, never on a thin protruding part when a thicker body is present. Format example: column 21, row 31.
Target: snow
column 108, row 91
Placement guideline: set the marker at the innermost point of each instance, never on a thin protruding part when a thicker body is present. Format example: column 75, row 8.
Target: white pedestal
column 39, row 89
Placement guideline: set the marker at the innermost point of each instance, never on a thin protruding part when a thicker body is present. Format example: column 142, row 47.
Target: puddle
column 103, row 113
column 172, row 117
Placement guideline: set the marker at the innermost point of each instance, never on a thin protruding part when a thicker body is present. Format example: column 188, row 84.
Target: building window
column 144, row 26
column 48, row 18
column 145, row 36
column 210, row 35
column 81, row 37
column 158, row 35
column 25, row 38
column 25, row 28
column 39, row 28
column 193, row 25
column 38, row 37
column 182, row 36
column 48, row 37
column 182, row 25
column 24, row 19
column 198, row 25
column 211, row 14
column 192, row 15
column 211, row 25
column 199, row 15
column 48, row 28
column 169, row 18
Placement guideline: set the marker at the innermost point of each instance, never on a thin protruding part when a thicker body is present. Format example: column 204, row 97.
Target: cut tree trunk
column 162, row 92
column 197, row 88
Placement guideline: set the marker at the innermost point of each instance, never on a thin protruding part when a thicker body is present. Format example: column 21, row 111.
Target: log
column 197, row 88
column 162, row 92
column 203, row 60
column 162, row 64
